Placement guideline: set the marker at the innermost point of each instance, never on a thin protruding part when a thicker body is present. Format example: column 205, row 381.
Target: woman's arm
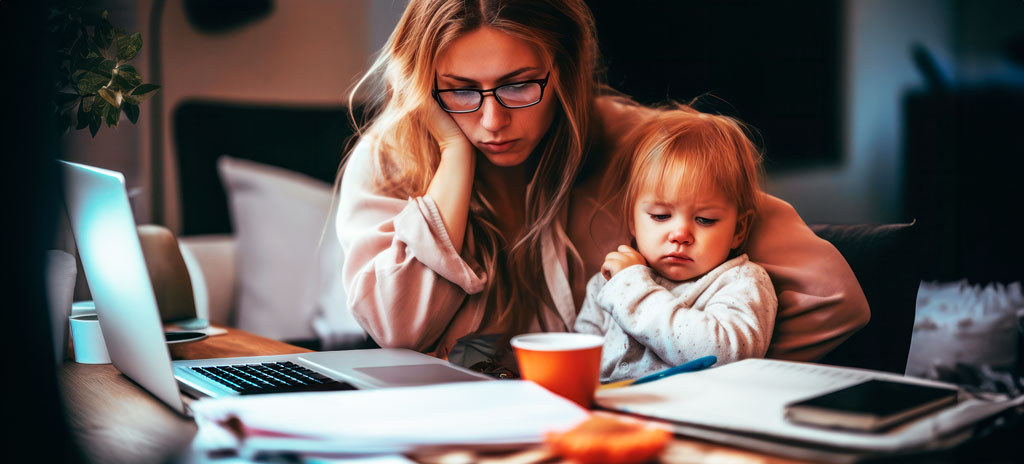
column 452, row 184
column 403, row 274
column 729, row 314
column 820, row 301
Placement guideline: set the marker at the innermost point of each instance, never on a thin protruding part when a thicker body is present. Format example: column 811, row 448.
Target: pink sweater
column 409, row 287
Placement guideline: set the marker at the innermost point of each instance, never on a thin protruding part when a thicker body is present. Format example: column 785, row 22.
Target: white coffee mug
column 87, row 338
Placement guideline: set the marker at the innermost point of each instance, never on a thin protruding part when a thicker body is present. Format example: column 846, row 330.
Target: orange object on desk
column 607, row 439
column 567, row 364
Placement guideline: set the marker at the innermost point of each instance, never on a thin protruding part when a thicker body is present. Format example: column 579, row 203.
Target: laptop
column 111, row 254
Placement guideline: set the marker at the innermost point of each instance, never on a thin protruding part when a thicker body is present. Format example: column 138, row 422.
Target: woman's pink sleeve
column 820, row 301
column 404, row 279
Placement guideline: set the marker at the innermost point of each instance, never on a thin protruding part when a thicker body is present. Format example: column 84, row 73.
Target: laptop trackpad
column 416, row 374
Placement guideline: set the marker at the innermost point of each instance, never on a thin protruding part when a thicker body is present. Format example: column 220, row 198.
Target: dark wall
column 773, row 64
column 30, row 187
column 965, row 172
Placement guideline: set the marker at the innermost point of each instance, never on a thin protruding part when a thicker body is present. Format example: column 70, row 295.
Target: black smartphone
column 870, row 406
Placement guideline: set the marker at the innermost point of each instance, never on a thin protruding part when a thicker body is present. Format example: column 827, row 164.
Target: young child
column 686, row 290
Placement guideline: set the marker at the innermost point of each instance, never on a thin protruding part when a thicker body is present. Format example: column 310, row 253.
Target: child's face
column 686, row 236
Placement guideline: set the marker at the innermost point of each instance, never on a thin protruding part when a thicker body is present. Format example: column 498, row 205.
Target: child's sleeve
column 734, row 323
column 592, row 319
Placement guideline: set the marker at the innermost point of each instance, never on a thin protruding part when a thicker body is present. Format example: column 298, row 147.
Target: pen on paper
column 690, row 366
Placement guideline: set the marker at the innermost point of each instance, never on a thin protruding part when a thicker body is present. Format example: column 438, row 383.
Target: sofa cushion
column 884, row 259
column 287, row 255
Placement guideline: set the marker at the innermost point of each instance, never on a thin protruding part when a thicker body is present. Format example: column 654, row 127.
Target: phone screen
column 879, row 397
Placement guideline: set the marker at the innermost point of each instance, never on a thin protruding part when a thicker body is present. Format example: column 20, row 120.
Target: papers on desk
column 749, row 396
column 393, row 420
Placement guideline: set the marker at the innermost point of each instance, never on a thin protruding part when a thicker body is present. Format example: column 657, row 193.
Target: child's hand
column 620, row 259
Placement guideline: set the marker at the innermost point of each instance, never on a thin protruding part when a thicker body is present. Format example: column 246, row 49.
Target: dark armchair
column 884, row 259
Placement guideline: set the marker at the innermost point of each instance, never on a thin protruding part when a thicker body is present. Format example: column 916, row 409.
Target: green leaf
column 134, row 99
column 128, row 46
column 127, row 77
column 105, row 68
column 90, row 82
column 102, row 39
column 92, row 45
column 145, row 89
column 99, row 106
column 94, row 124
column 132, row 111
column 110, row 97
column 82, row 64
column 105, row 30
column 120, row 82
column 87, row 103
column 82, row 116
column 112, row 115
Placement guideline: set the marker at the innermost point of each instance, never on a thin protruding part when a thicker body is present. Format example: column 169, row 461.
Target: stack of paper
column 472, row 414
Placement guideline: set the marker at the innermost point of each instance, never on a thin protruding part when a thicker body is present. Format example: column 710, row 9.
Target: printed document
column 501, row 413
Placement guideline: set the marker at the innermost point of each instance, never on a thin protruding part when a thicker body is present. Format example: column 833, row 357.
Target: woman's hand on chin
column 445, row 131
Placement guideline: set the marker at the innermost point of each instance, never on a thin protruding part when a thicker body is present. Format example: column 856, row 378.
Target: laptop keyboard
column 279, row 377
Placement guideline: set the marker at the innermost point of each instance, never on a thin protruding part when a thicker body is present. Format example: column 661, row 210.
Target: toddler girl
column 685, row 290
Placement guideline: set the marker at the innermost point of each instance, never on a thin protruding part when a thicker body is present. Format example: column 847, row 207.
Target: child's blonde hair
column 693, row 151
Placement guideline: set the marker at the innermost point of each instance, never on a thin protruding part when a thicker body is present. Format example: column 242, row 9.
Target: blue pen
column 691, row 366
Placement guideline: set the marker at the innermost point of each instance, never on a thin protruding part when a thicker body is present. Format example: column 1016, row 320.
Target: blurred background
column 869, row 111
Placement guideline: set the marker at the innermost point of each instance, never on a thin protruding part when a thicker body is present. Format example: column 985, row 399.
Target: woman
column 471, row 208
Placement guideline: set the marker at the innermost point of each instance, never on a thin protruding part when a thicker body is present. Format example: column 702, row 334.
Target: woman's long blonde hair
column 407, row 156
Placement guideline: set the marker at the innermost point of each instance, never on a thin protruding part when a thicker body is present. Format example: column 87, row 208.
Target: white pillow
column 289, row 285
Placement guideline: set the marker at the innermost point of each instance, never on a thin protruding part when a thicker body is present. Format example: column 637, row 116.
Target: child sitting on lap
column 686, row 290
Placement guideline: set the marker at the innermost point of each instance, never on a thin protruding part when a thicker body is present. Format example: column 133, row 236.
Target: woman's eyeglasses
column 514, row 95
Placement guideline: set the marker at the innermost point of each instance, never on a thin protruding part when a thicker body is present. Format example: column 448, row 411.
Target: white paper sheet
column 749, row 396
column 389, row 420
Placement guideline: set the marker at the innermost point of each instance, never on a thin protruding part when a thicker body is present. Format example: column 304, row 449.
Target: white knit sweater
column 651, row 323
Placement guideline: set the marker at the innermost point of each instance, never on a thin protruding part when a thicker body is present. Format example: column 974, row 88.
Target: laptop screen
column 108, row 243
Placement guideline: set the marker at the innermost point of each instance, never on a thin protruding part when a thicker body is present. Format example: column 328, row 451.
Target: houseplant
column 95, row 83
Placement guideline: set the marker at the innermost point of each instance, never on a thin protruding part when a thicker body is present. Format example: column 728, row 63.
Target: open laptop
column 108, row 243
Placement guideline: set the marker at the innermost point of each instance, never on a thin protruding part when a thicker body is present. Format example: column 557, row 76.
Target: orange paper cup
column 567, row 364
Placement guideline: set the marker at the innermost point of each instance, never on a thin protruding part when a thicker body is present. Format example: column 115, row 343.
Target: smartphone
column 870, row 406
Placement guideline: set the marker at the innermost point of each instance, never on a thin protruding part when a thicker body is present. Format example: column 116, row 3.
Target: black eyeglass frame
column 483, row 93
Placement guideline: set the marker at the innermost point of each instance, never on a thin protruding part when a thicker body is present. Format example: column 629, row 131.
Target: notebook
column 743, row 403
column 111, row 254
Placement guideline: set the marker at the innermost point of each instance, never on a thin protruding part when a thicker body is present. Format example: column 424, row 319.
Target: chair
column 885, row 261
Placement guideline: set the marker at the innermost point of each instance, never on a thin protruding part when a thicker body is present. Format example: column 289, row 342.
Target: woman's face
column 487, row 58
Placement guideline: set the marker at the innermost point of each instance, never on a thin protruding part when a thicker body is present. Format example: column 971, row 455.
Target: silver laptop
column 108, row 243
